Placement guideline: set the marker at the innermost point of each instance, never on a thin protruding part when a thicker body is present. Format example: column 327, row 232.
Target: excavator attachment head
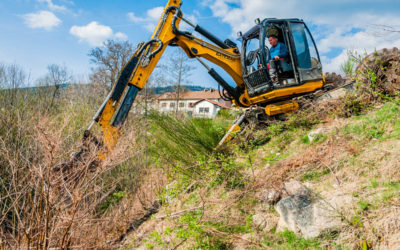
column 85, row 159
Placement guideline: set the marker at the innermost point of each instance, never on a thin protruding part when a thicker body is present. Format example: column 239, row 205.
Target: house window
column 164, row 105
column 204, row 110
column 181, row 104
column 172, row 105
column 191, row 104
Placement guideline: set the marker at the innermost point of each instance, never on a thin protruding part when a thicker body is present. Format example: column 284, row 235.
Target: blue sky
column 36, row 33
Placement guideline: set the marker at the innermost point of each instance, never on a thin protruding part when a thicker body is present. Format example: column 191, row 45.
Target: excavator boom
column 137, row 71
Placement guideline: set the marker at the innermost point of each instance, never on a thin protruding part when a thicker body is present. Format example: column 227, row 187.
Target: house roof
column 191, row 95
column 213, row 102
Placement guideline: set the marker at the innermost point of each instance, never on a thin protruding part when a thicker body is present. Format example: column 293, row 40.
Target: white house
column 207, row 108
column 169, row 101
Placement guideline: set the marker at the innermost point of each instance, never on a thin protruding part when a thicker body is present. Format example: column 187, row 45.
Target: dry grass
column 43, row 208
column 322, row 156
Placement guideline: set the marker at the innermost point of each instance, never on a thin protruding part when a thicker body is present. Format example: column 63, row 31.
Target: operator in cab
column 277, row 52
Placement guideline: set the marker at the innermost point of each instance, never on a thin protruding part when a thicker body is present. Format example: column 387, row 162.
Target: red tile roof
column 191, row 95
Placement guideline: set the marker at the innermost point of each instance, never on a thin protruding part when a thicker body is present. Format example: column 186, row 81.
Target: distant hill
column 162, row 90
column 157, row 90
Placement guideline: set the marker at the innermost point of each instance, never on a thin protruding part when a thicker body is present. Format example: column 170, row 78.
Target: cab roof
column 255, row 30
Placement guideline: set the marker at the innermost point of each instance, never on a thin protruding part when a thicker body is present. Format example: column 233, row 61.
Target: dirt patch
column 319, row 156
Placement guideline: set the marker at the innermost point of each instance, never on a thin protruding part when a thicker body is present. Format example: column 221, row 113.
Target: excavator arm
column 133, row 77
column 225, row 54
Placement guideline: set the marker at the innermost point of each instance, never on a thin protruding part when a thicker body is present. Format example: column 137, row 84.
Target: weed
column 319, row 138
column 349, row 64
column 374, row 183
column 392, row 189
column 112, row 200
column 364, row 205
column 305, row 139
column 314, row 175
column 272, row 157
column 191, row 227
column 157, row 238
column 356, row 221
column 289, row 240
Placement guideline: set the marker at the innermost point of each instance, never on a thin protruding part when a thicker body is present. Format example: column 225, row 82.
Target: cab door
column 306, row 55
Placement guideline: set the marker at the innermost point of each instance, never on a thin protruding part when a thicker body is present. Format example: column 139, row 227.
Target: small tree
column 178, row 69
column 12, row 77
column 57, row 76
column 2, row 76
column 108, row 61
column 348, row 66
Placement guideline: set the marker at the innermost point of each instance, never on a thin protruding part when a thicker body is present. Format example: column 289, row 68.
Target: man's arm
column 282, row 50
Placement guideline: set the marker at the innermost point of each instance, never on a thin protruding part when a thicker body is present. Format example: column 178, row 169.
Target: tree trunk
column 179, row 83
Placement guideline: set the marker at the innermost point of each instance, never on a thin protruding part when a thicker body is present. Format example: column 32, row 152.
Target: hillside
column 325, row 177
column 346, row 168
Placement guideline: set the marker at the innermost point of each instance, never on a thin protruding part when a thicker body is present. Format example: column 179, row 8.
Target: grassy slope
column 212, row 197
column 357, row 157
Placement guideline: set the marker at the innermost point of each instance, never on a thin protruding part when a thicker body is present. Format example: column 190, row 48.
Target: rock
column 313, row 134
column 304, row 214
column 263, row 219
column 169, row 192
column 334, row 94
column 294, row 187
column 270, row 196
column 260, row 220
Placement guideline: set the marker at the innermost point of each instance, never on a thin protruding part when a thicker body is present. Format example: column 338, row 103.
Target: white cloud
column 53, row 6
column 42, row 19
column 336, row 24
column 155, row 13
column 95, row 34
column 134, row 18
column 150, row 20
column 121, row 36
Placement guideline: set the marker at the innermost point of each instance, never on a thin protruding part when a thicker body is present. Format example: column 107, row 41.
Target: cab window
column 252, row 55
column 301, row 45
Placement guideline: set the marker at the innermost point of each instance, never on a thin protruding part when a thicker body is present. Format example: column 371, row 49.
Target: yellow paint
column 225, row 58
column 280, row 94
column 281, row 107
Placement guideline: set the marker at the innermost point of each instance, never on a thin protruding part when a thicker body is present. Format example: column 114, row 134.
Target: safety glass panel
column 313, row 51
column 309, row 66
column 301, row 45
column 252, row 55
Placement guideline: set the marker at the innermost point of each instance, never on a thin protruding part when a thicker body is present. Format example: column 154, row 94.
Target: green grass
column 289, row 240
column 381, row 124
column 314, row 175
column 183, row 140
column 374, row 183
column 392, row 189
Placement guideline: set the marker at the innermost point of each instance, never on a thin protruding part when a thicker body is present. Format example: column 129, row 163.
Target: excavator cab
column 301, row 65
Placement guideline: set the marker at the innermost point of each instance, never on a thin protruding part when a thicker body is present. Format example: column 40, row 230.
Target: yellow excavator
column 298, row 74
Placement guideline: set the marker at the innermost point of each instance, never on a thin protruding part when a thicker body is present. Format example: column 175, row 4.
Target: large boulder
column 304, row 213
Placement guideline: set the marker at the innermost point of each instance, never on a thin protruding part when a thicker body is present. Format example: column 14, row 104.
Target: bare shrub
column 41, row 208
